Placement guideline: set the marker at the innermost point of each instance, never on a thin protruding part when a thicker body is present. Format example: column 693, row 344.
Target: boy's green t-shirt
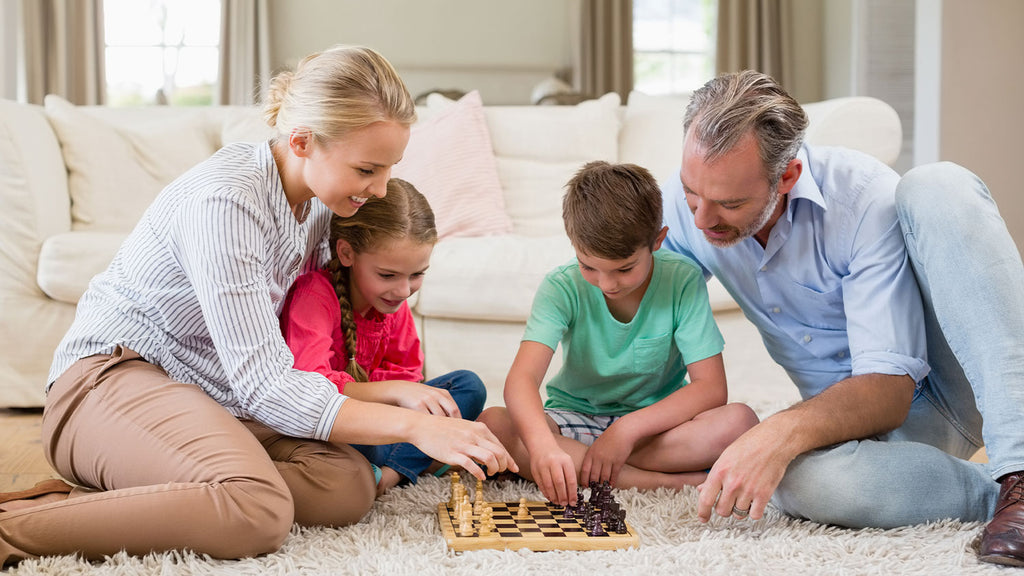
column 611, row 368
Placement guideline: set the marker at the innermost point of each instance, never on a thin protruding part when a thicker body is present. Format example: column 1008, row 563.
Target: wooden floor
column 22, row 463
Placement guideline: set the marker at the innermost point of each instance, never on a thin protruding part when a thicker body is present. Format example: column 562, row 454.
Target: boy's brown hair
column 612, row 210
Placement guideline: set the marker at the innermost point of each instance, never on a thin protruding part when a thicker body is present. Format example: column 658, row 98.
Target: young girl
column 351, row 323
column 173, row 400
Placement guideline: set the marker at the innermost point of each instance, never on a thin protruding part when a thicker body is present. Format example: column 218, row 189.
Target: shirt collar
column 806, row 188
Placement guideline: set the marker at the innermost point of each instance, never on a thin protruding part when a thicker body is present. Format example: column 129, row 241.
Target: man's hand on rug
column 745, row 476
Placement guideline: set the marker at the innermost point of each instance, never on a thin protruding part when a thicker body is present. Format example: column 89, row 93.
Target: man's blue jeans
column 972, row 284
column 469, row 394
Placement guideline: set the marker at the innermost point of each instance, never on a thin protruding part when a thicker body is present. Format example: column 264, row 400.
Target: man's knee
column 942, row 188
column 827, row 486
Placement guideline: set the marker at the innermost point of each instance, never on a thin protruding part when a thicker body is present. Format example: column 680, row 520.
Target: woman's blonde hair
column 334, row 92
column 403, row 213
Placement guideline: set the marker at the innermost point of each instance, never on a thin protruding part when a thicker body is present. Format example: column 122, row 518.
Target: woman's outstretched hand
column 454, row 441
column 470, row 445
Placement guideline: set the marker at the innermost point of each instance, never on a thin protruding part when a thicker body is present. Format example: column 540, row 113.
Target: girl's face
column 344, row 173
column 386, row 276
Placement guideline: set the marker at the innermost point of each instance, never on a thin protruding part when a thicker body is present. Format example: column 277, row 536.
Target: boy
column 632, row 322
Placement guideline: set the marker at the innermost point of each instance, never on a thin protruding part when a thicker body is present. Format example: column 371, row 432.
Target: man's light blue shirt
column 832, row 293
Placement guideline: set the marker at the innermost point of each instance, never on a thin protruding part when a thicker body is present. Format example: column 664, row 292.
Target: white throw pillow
column 540, row 147
column 450, row 161
column 116, row 168
column 652, row 133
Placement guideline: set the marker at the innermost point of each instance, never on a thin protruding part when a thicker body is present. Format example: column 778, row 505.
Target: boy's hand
column 555, row 473
column 605, row 457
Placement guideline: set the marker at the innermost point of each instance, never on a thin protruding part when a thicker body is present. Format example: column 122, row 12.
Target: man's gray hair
column 726, row 108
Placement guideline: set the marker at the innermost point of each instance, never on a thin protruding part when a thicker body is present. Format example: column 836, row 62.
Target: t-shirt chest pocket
column 651, row 354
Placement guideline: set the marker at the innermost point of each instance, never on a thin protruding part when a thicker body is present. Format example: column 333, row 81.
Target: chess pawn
column 466, row 527
column 478, row 503
column 523, row 512
column 456, row 484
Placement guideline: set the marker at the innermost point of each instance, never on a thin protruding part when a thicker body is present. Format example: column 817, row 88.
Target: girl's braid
column 339, row 277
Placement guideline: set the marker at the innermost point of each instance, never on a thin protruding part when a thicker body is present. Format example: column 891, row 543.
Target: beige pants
column 171, row 469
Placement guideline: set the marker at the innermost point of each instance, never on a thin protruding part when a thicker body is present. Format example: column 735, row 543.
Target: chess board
column 544, row 529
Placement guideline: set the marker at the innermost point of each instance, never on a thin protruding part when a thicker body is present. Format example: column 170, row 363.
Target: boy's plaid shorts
column 584, row 428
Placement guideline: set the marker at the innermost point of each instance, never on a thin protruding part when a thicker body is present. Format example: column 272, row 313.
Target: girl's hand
column 411, row 395
column 426, row 399
column 462, row 443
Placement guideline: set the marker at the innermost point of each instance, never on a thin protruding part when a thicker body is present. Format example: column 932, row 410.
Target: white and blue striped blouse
column 198, row 285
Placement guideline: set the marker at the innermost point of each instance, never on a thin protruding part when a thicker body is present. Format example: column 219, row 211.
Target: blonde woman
column 173, row 403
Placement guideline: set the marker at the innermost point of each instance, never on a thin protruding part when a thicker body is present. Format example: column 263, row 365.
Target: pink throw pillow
column 450, row 160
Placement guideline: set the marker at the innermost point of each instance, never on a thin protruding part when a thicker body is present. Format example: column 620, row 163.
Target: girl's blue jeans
column 469, row 394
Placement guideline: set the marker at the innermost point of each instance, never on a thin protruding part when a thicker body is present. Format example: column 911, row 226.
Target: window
column 673, row 45
column 161, row 51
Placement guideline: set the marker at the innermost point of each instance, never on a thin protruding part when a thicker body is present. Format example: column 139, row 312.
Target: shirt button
column 776, row 310
column 764, row 268
column 807, row 337
column 841, row 354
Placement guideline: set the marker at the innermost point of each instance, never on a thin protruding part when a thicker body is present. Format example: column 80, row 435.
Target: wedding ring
column 740, row 513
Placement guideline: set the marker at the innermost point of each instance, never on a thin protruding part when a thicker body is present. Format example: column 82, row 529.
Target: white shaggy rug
column 401, row 536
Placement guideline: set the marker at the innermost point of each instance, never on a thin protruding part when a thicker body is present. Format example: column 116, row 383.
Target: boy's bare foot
column 388, row 480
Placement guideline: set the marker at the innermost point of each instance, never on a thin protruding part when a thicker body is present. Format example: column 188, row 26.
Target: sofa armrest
column 859, row 122
column 33, row 193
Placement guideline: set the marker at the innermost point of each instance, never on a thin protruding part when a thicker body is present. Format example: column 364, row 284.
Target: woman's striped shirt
column 198, row 285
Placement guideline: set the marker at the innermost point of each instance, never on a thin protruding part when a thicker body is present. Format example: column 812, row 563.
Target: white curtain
column 244, row 52
column 62, row 50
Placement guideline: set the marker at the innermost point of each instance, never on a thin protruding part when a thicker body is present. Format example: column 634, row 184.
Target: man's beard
column 774, row 198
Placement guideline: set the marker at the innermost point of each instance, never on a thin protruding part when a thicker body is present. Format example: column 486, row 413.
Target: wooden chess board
column 544, row 529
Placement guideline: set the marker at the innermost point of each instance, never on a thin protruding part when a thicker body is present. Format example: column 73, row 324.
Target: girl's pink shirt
column 388, row 346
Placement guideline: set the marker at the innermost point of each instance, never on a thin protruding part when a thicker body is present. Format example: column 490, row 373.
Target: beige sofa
column 74, row 180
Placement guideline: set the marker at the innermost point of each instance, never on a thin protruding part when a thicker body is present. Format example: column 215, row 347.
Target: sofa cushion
column 244, row 124
column 67, row 262
column 538, row 148
column 449, row 159
column 652, row 133
column 117, row 165
column 489, row 278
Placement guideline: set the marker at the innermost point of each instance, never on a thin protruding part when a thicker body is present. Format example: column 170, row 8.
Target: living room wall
column 503, row 49
column 980, row 97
